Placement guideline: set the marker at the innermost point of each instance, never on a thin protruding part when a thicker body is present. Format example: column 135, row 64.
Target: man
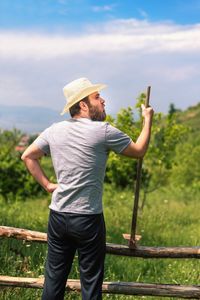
column 79, row 148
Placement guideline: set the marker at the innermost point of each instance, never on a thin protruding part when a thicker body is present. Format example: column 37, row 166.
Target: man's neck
column 82, row 115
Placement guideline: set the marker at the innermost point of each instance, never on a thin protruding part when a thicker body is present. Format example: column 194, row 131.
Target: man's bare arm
column 139, row 148
column 31, row 159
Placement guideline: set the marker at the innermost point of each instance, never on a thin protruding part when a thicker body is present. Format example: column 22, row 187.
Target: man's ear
column 83, row 106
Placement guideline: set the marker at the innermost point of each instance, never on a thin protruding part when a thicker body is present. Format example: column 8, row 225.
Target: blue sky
column 128, row 45
column 73, row 14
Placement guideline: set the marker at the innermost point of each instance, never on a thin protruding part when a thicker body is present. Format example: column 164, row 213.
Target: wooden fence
column 126, row 288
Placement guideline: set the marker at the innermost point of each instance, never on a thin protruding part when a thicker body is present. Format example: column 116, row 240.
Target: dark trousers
column 67, row 233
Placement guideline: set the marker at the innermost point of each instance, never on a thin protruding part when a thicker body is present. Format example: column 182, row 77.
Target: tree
column 172, row 109
column 15, row 181
column 121, row 170
column 158, row 162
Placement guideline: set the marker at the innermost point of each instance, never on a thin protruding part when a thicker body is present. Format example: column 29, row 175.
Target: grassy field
column 170, row 218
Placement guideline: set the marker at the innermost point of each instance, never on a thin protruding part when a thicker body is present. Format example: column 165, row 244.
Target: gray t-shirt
column 79, row 150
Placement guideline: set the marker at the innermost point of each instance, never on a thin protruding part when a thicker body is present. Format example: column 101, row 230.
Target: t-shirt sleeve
column 42, row 141
column 116, row 140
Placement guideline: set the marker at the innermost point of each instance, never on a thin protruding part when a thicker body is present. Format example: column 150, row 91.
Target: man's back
column 79, row 150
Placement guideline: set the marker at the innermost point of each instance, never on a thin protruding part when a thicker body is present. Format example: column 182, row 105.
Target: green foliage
column 186, row 168
column 172, row 109
column 166, row 134
column 191, row 118
column 32, row 138
column 159, row 160
column 10, row 138
column 120, row 170
column 160, row 165
column 15, row 181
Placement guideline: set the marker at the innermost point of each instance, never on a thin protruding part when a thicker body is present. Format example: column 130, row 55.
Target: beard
column 96, row 114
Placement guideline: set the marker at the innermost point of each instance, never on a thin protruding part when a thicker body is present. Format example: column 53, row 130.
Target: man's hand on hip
column 51, row 187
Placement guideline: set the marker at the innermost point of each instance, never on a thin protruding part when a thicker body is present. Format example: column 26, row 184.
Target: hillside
column 191, row 117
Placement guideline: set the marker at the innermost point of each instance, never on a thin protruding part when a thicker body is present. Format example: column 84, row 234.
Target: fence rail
column 125, row 288
column 115, row 249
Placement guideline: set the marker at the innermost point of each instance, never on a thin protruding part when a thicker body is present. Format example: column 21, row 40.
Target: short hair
column 75, row 109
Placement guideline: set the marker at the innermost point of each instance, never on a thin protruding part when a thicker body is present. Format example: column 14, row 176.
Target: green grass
column 170, row 218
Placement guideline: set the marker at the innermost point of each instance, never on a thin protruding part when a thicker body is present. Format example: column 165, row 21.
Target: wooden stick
column 125, row 288
column 132, row 241
column 140, row 251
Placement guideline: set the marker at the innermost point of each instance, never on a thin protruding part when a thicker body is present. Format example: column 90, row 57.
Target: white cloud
column 128, row 55
column 118, row 36
column 103, row 8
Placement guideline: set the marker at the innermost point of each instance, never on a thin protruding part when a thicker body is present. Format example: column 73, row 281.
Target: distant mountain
column 28, row 119
column 35, row 119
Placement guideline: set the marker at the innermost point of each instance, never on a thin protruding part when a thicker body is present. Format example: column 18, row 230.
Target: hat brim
column 84, row 93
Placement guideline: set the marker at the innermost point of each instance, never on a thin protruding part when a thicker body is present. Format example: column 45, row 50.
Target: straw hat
column 77, row 90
